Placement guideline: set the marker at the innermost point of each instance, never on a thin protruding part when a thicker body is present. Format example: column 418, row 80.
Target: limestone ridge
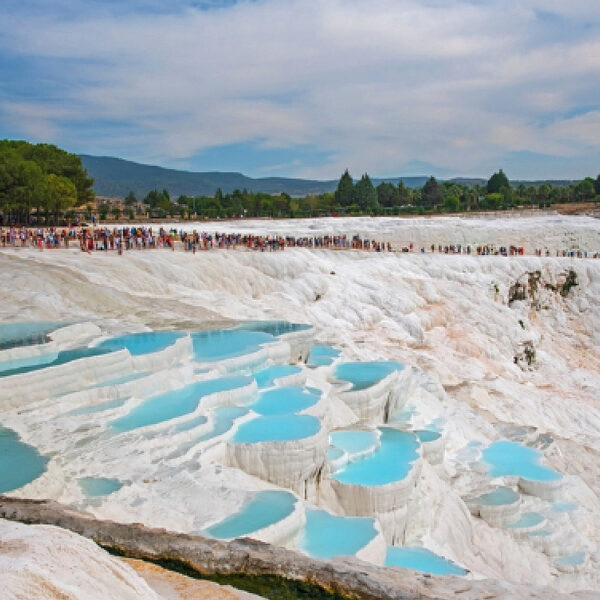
column 208, row 558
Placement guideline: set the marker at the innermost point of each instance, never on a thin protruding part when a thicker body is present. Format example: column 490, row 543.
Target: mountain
column 115, row 177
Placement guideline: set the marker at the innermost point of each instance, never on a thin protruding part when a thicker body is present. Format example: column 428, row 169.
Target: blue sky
column 307, row 88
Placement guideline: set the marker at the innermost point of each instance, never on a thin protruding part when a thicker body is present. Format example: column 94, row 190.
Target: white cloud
column 377, row 83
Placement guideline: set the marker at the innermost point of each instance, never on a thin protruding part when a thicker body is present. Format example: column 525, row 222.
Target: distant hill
column 115, row 177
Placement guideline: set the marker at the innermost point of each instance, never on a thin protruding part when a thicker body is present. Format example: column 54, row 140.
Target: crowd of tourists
column 141, row 238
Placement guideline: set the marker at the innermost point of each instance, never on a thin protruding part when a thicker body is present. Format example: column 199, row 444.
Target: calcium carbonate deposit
column 434, row 411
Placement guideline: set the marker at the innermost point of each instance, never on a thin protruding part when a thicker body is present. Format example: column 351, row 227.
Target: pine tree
column 497, row 182
column 345, row 190
column 365, row 194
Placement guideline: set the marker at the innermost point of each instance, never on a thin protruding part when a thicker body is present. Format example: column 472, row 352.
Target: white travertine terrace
column 81, row 373
column 144, row 386
column 547, row 490
column 497, row 515
column 293, row 464
column 373, row 403
column 447, row 318
column 300, row 343
column 23, row 388
column 235, row 396
column 388, row 502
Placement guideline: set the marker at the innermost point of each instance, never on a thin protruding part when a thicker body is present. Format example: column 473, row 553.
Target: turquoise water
column 99, row 486
column 190, row 424
column 392, row 461
column 321, row 356
column 363, row 375
column 13, row 335
column 425, row 435
column 175, row 403
column 513, row 459
column 564, row 507
column 353, row 441
column 49, row 360
column 334, row 454
column 266, row 377
column 96, row 408
column 263, row 510
column 227, row 343
column 501, row 495
column 571, row 560
column 142, row 343
column 21, row 463
column 223, row 419
column 285, row 400
column 36, row 361
column 326, row 535
column 421, row 559
column 277, row 428
column 274, row 328
column 529, row 519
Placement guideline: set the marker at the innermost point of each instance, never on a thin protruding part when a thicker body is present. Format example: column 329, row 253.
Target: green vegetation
column 362, row 198
column 40, row 182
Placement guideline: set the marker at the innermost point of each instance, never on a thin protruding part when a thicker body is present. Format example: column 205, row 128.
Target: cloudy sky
column 310, row 87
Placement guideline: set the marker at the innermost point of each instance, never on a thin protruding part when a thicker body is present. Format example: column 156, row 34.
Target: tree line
column 40, row 182
column 363, row 198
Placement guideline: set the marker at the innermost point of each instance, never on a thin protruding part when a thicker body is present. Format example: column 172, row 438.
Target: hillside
column 115, row 177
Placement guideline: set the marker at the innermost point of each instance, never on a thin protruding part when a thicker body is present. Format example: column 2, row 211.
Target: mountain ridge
column 116, row 177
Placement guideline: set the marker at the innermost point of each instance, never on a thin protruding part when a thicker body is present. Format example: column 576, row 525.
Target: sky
column 308, row 88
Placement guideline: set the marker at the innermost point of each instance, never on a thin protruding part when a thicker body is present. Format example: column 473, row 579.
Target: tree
column 451, row 204
column 430, row 194
column 130, row 199
column 345, row 190
column 597, row 186
column 493, row 201
column 387, row 194
column 585, row 188
column 404, row 194
column 153, row 198
column 364, row 193
column 103, row 210
column 544, row 192
column 496, row 182
column 24, row 184
column 54, row 160
column 62, row 193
